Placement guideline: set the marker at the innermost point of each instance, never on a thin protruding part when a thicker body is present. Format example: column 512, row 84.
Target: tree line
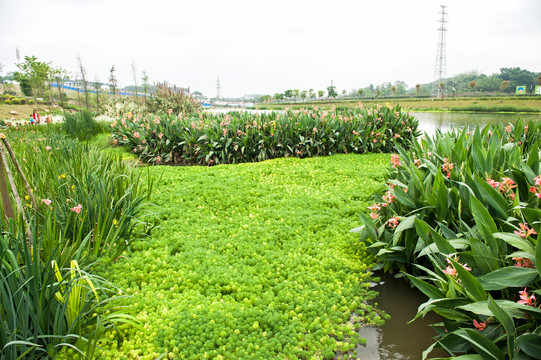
column 473, row 82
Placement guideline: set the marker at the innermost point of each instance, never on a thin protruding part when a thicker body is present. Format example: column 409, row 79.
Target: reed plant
column 82, row 125
column 91, row 205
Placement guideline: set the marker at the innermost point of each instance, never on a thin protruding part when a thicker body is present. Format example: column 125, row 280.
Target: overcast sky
column 270, row 46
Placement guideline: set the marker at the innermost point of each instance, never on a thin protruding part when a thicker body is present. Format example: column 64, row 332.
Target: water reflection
column 398, row 340
column 430, row 121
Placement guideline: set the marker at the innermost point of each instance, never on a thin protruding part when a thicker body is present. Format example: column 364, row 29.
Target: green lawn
column 252, row 261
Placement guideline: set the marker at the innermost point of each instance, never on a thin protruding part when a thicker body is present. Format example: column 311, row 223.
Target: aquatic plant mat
column 252, row 261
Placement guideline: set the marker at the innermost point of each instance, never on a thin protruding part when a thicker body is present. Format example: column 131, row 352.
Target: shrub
column 239, row 137
column 460, row 214
column 175, row 99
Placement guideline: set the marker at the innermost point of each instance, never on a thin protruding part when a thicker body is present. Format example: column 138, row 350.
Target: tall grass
column 46, row 310
column 91, row 206
column 82, row 125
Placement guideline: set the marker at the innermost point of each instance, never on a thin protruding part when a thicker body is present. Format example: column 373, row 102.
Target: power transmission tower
column 218, row 88
column 439, row 86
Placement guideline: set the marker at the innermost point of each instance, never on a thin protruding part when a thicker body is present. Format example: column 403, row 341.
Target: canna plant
column 460, row 217
column 237, row 137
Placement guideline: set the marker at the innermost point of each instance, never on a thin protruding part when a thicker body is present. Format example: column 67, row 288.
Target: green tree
column 539, row 79
column 360, row 92
column 265, row 98
column 296, row 93
column 517, row 77
column 288, row 94
column 393, row 89
column 304, row 94
column 321, row 93
column 472, row 85
column 417, row 89
column 33, row 76
column 331, row 91
column 311, row 93
column 504, row 85
column 278, row 97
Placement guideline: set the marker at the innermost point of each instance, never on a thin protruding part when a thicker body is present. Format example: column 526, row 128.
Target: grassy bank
column 449, row 104
column 253, row 261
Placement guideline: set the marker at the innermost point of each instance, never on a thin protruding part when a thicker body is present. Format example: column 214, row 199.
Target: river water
column 430, row 121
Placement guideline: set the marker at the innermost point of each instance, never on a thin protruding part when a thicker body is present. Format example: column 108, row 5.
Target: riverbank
column 504, row 105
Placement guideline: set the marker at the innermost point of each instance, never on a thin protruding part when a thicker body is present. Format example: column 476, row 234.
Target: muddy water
column 397, row 339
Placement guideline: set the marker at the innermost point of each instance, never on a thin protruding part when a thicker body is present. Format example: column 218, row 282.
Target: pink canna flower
column 77, row 208
column 46, row 201
column 525, row 231
column 393, row 222
column 450, row 270
column 479, row 325
column 374, row 216
column 48, row 148
column 493, row 183
column 526, row 299
column 395, row 160
column 523, row 262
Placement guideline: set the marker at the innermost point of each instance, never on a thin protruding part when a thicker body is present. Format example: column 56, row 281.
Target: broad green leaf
column 478, row 155
column 484, row 256
column 510, row 276
column 428, row 289
column 538, row 256
column 404, row 198
column 471, row 284
column 516, row 241
column 457, row 244
column 484, row 222
column 484, row 346
column 481, row 215
column 530, row 344
column 406, row 223
column 514, row 309
column 443, row 244
column 369, row 227
column 507, row 322
column 423, row 229
column 492, row 196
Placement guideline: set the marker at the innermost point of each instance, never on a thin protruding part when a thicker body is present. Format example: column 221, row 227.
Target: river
column 429, row 122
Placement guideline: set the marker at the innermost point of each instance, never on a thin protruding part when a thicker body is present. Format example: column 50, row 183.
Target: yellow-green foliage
column 252, row 261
